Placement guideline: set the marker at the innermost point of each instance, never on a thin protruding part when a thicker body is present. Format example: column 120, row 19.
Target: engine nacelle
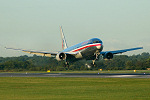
column 61, row 56
column 108, row 55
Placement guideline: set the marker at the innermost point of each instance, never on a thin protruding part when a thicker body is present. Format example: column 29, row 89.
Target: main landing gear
column 96, row 58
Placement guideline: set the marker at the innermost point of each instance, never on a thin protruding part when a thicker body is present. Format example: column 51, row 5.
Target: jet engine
column 108, row 55
column 61, row 56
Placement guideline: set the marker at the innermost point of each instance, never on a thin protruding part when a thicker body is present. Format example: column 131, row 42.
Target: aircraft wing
column 121, row 51
column 42, row 53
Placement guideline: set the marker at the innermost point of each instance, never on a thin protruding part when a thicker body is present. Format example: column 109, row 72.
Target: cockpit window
column 96, row 41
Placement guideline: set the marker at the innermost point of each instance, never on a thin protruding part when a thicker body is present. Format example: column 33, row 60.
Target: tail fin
column 64, row 43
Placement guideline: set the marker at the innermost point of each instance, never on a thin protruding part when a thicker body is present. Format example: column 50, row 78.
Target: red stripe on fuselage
column 90, row 45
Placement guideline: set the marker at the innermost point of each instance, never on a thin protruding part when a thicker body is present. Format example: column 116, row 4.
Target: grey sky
column 34, row 24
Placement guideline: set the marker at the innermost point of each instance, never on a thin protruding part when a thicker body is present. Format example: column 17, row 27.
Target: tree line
column 39, row 63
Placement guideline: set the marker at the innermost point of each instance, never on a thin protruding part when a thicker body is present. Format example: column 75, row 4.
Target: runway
column 92, row 75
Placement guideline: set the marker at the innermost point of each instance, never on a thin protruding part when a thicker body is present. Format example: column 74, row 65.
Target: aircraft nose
column 99, row 46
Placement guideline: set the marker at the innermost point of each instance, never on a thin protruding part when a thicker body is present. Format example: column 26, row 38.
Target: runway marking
column 52, row 74
column 124, row 76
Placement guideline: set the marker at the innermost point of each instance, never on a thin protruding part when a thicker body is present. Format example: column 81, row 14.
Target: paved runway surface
column 100, row 75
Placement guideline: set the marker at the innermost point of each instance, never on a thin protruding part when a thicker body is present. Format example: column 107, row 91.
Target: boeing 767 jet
column 89, row 50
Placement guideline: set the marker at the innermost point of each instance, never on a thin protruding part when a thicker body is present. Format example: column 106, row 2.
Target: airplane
column 89, row 50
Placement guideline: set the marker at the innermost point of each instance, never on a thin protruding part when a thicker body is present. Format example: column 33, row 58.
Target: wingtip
column 141, row 47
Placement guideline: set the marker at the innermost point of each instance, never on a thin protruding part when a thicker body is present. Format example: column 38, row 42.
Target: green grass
column 49, row 88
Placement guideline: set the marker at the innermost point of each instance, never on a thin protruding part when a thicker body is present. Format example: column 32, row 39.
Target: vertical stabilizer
column 64, row 43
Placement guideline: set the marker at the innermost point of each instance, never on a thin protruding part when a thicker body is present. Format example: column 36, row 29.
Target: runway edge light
column 48, row 71
column 134, row 70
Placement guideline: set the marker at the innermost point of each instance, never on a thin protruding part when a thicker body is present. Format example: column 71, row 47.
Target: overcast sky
column 34, row 24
